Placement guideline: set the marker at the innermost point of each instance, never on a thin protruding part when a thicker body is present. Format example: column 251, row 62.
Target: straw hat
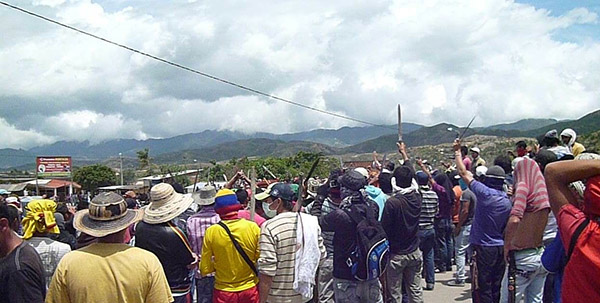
column 205, row 196
column 165, row 204
column 107, row 214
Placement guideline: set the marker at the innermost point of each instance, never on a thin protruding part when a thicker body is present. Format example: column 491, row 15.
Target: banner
column 55, row 167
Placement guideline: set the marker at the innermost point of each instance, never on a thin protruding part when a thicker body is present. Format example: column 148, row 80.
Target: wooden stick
column 253, row 190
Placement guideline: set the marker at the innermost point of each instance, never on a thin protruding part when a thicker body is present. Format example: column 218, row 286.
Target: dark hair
column 178, row 188
column 443, row 180
column 521, row 144
column 4, row 211
column 287, row 205
column 452, row 176
column 390, row 166
column 464, row 150
column 504, row 162
column 11, row 214
column 14, row 218
column 403, row 176
column 241, row 195
column 62, row 208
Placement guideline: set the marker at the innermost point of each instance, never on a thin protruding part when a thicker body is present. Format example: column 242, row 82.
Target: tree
column 143, row 157
column 93, row 176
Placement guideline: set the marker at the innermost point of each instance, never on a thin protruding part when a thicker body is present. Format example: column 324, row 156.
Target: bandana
column 39, row 218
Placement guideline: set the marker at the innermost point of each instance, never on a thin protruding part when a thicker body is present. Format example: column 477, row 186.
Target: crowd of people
column 527, row 226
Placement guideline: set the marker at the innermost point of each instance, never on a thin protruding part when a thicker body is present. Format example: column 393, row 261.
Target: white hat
column 363, row 171
column 481, row 171
column 476, row 149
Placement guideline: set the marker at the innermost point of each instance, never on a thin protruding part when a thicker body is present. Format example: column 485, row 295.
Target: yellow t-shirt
column 109, row 272
column 219, row 255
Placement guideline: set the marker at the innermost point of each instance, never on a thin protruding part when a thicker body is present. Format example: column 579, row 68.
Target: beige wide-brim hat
column 107, row 214
column 165, row 204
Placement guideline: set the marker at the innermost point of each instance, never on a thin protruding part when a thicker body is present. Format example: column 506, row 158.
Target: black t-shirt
column 171, row 247
column 400, row 220
column 22, row 276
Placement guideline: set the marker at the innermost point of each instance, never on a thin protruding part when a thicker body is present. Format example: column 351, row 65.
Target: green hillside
column 246, row 148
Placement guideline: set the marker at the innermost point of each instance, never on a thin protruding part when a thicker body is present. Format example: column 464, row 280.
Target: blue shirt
column 378, row 196
column 491, row 215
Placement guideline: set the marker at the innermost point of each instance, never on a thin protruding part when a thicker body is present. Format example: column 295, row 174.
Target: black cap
column 283, row 191
column 353, row 180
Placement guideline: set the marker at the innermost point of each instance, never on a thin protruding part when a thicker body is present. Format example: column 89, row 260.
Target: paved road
column 443, row 293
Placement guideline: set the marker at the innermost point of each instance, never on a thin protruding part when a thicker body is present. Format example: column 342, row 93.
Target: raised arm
column 460, row 166
column 558, row 175
column 402, row 150
column 425, row 170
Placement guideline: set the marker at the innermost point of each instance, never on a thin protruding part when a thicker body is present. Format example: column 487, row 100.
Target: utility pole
column 121, row 171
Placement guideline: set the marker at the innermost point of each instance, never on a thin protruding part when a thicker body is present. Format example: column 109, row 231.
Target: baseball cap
column 476, row 149
column 283, row 191
column 363, row 171
column 265, row 193
column 481, row 171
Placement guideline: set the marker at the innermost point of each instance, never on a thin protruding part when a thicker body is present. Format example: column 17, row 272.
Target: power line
column 177, row 65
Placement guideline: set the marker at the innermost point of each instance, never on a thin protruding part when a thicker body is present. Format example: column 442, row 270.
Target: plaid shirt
column 197, row 225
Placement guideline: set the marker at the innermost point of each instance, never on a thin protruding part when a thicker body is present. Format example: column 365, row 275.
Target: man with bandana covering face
column 487, row 238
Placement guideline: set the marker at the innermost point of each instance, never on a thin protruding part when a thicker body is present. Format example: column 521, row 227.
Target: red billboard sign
column 53, row 166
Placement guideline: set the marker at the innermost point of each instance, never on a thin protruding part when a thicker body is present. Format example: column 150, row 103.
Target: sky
column 443, row 61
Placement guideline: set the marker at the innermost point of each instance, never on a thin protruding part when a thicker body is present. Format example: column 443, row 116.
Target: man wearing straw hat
column 108, row 271
column 196, row 228
column 159, row 235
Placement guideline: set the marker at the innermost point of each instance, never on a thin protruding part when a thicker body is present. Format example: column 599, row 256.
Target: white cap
column 363, row 171
column 481, row 171
column 476, row 149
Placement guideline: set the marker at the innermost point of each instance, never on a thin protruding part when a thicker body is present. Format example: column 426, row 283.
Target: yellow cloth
column 39, row 218
column 109, row 272
column 577, row 149
column 219, row 255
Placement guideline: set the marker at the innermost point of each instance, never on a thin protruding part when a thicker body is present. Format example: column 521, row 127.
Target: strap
column 239, row 248
column 575, row 236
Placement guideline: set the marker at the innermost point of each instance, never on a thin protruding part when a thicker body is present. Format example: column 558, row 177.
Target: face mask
column 268, row 211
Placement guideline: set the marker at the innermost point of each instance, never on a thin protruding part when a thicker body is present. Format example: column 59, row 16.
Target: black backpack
column 370, row 257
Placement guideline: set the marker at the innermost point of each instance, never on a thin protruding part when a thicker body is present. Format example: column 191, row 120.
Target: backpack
column 370, row 257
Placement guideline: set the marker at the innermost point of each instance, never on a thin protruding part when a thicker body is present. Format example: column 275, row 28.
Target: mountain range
column 223, row 145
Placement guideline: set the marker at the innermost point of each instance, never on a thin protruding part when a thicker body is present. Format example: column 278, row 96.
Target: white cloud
column 442, row 60
column 92, row 126
column 16, row 138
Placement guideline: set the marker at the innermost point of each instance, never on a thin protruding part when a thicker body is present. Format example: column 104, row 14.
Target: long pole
column 121, row 171
column 253, row 190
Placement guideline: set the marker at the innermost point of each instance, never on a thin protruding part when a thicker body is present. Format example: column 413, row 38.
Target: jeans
column 427, row 238
column 326, row 293
column 404, row 270
column 443, row 244
column 204, row 289
column 488, row 269
column 530, row 277
column 461, row 248
column 347, row 291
